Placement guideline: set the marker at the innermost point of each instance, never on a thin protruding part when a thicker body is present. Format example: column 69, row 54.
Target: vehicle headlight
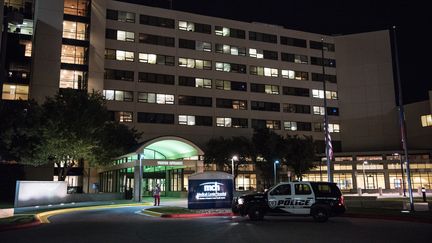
column 240, row 201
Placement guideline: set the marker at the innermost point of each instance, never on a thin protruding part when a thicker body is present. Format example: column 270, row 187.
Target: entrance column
column 137, row 190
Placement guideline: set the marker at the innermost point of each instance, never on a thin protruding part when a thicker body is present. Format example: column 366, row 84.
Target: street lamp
column 232, row 164
column 364, row 174
column 402, row 171
column 274, row 170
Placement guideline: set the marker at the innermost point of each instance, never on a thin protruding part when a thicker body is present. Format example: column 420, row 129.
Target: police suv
column 320, row 200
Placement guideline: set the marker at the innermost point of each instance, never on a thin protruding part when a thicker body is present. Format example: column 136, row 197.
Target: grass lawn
column 17, row 219
column 171, row 210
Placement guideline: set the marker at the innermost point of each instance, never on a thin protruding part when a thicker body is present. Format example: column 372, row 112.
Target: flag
column 330, row 146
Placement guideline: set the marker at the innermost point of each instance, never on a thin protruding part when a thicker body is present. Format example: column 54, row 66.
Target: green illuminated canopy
column 170, row 148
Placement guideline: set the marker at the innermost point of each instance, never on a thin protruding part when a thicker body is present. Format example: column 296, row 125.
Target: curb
column 188, row 215
column 387, row 217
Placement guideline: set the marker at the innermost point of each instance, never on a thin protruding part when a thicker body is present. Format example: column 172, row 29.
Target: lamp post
column 402, row 122
column 274, row 170
column 364, row 174
column 141, row 157
column 402, row 171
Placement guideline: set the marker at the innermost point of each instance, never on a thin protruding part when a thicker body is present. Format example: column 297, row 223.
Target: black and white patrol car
column 320, row 200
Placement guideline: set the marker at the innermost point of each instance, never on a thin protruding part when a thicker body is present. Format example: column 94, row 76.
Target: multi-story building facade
column 194, row 77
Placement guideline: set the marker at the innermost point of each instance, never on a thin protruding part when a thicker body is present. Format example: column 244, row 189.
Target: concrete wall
column 46, row 53
column 33, row 193
column 368, row 111
column 97, row 46
column 418, row 137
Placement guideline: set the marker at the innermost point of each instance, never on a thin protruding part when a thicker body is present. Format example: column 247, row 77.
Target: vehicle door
column 303, row 198
column 279, row 199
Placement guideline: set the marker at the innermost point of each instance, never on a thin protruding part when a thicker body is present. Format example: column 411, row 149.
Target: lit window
column 290, row 126
column 256, row 53
column 318, row 110
column 15, row 92
column 147, row 58
column 188, row 26
column 186, row 120
column 426, row 120
column 71, row 79
column 125, row 36
column 333, row 128
column 203, row 83
column 223, row 122
column 125, row 116
column 74, row 30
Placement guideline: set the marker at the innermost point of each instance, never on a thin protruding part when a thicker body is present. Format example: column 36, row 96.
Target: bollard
column 419, row 190
column 380, row 191
column 400, row 191
column 359, row 190
column 424, row 194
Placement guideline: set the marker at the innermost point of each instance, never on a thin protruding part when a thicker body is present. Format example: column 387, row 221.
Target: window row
column 124, row 16
column 194, row 120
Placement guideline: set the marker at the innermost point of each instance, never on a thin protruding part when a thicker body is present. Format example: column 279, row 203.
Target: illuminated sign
column 210, row 193
column 170, row 163
column 212, row 190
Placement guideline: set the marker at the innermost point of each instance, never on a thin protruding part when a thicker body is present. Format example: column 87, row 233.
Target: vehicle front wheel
column 255, row 213
column 320, row 215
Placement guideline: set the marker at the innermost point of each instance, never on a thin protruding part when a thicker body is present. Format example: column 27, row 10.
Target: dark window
column 187, row 81
column 289, row 41
column 295, row 91
column 282, row 190
column 318, row 46
column 259, row 88
column 111, row 14
column 194, row 100
column 302, row 189
column 231, row 85
column 156, row 40
column 270, row 124
column 157, row 21
column 265, row 106
column 204, row 121
column 304, row 126
column 327, row 62
column 322, row 189
column 272, row 55
column 295, row 108
column 256, row 36
column 333, row 111
column 231, row 104
column 239, row 122
column 296, row 58
column 119, row 74
column 203, row 28
column 156, row 78
column 238, row 68
column 121, row 16
column 111, row 34
column 161, row 118
column 319, row 77
column 187, row 44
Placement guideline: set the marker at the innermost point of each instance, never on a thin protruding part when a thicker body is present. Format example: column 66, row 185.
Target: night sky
column 338, row 17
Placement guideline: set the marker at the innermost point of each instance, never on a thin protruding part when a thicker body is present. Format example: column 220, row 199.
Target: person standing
column 156, row 195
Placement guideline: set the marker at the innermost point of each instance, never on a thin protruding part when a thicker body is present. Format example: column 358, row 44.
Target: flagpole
column 326, row 131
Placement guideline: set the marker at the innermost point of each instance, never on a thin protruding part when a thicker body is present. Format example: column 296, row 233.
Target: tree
column 268, row 147
column 300, row 154
column 19, row 129
column 221, row 150
column 76, row 127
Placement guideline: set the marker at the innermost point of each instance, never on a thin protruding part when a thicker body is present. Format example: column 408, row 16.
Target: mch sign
column 211, row 192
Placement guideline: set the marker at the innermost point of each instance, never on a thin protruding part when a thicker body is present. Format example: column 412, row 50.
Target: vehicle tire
column 320, row 215
column 255, row 213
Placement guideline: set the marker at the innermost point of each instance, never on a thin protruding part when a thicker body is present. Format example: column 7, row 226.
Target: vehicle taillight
column 341, row 200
